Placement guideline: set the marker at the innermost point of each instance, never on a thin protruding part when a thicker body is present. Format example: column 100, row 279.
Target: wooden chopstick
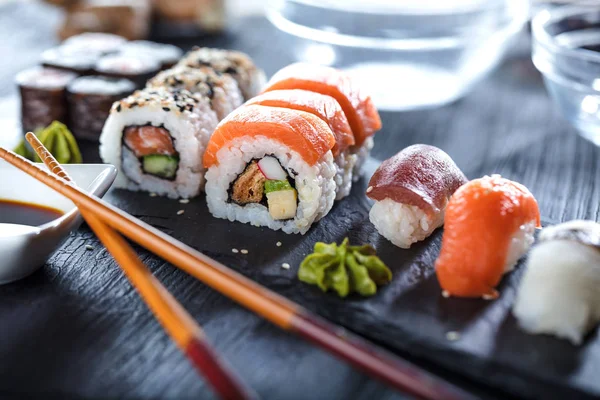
column 176, row 321
column 277, row 309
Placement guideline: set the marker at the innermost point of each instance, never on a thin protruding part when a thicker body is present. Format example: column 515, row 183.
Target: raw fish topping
column 420, row 175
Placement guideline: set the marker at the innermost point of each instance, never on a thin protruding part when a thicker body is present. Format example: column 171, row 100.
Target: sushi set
column 356, row 240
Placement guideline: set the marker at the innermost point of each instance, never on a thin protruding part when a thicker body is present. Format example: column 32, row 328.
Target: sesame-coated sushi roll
column 329, row 110
column 559, row 293
column 43, row 96
column 271, row 167
column 156, row 139
column 240, row 66
column 488, row 227
column 411, row 191
column 358, row 107
column 221, row 89
column 90, row 99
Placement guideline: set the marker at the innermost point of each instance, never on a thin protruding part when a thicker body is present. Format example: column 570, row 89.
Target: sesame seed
column 445, row 294
column 184, row 201
column 180, row 212
column 88, row 247
column 452, row 336
column 244, row 251
column 278, row 244
column 369, row 189
column 235, row 251
column 152, row 194
column 285, row 266
column 488, row 297
column 119, row 107
column 167, row 109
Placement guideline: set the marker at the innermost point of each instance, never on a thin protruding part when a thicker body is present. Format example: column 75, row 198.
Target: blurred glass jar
column 410, row 54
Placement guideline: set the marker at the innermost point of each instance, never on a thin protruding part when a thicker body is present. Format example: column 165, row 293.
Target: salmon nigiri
column 328, row 109
column 488, row 226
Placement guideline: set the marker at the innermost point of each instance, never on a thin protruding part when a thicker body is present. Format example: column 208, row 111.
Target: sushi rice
column 403, row 224
column 344, row 166
column 315, row 184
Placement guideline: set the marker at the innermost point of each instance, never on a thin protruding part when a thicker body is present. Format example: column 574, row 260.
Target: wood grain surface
column 77, row 329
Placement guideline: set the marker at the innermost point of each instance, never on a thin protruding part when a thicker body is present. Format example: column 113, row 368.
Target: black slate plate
column 408, row 315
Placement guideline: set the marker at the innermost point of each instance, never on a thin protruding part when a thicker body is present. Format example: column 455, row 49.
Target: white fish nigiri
column 559, row 293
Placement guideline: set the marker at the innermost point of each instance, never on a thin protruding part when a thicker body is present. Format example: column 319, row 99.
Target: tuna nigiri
column 489, row 225
column 328, row 109
column 411, row 191
column 358, row 107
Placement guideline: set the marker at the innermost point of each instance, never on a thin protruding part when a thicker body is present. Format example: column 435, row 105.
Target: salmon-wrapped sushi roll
column 411, row 191
column 156, row 138
column 358, row 107
column 329, row 110
column 271, row 167
column 489, row 225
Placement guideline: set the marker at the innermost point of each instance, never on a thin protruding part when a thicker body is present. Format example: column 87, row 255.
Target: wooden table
column 77, row 329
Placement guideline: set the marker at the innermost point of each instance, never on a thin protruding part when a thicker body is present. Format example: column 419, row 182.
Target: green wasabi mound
column 344, row 269
column 59, row 140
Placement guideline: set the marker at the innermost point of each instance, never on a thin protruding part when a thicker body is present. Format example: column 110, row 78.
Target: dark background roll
column 90, row 99
column 43, row 96
column 136, row 69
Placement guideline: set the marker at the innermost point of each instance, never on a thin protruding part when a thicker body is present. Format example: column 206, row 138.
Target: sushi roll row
column 78, row 81
column 285, row 156
column 157, row 136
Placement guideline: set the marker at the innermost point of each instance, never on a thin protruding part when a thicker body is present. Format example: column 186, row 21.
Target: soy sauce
column 16, row 212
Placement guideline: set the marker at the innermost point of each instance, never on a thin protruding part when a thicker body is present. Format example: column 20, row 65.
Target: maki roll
column 489, row 225
column 94, row 42
column 136, row 69
column 559, row 293
column 221, row 89
column 358, row 107
column 156, row 139
column 78, row 61
column 271, row 167
column 327, row 109
column 90, row 99
column 166, row 54
column 240, row 66
column 43, row 96
column 411, row 191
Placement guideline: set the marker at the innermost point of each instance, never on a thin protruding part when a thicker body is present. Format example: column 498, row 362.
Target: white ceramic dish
column 24, row 249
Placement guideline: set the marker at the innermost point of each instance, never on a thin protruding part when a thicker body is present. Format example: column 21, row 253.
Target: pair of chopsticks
column 282, row 312
column 177, row 322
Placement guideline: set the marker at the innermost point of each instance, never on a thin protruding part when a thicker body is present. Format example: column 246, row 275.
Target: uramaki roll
column 221, row 89
column 271, row 167
column 156, row 138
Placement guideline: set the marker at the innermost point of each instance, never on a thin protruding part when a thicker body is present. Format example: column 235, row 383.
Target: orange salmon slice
column 302, row 132
column 358, row 107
